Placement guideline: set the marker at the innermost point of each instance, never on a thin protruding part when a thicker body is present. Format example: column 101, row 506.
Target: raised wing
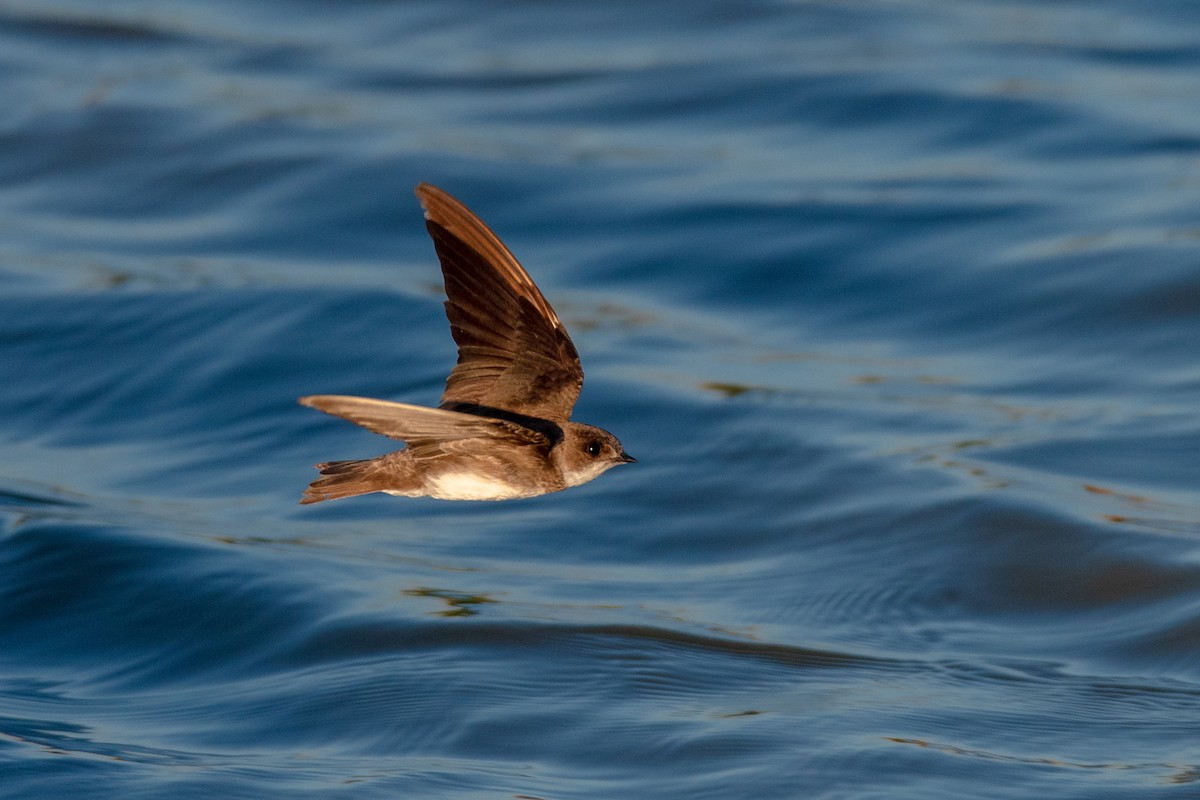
column 513, row 351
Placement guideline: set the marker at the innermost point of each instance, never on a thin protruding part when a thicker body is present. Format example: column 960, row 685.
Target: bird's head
column 586, row 452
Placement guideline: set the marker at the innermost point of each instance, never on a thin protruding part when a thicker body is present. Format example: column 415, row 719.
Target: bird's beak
column 627, row 459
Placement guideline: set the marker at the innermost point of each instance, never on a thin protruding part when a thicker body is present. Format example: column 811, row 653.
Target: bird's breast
column 474, row 486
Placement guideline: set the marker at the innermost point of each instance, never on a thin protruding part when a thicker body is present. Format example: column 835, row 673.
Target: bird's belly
column 472, row 486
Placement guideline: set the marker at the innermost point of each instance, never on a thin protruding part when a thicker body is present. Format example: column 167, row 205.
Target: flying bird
column 503, row 429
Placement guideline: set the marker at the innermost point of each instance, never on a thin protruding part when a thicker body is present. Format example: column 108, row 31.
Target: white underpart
column 588, row 473
column 469, row 486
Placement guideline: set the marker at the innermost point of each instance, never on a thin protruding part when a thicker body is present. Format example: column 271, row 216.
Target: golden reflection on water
column 459, row 604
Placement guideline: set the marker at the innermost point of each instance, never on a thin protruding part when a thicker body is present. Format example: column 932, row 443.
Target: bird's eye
column 593, row 448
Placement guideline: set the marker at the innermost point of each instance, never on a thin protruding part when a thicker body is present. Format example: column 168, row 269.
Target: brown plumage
column 503, row 428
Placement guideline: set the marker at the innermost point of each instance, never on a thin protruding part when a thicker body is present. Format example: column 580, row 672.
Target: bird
column 503, row 428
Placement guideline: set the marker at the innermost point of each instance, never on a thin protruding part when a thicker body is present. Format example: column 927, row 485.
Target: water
column 896, row 302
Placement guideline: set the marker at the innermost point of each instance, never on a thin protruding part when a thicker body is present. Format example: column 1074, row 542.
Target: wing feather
column 421, row 427
column 513, row 351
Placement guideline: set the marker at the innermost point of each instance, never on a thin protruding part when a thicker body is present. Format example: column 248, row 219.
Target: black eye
column 593, row 448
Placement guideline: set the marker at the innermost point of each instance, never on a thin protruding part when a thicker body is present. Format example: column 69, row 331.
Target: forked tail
column 345, row 479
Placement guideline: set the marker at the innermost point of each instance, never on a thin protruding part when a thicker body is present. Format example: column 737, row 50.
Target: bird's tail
column 345, row 479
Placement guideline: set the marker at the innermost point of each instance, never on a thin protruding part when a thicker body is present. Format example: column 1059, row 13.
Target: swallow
column 503, row 428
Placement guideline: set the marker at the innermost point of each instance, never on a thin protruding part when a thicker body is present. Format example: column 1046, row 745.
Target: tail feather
column 345, row 479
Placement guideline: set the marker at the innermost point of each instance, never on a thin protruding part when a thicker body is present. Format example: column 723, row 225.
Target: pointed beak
column 627, row 459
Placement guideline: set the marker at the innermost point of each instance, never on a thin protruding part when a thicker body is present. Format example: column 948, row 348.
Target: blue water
column 897, row 303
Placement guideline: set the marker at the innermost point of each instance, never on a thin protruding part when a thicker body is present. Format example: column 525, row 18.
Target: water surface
column 897, row 304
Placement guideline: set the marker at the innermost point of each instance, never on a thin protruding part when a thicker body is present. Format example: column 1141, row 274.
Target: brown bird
column 503, row 428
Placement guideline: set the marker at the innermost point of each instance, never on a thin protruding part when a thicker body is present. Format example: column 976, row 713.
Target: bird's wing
column 427, row 431
column 513, row 351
